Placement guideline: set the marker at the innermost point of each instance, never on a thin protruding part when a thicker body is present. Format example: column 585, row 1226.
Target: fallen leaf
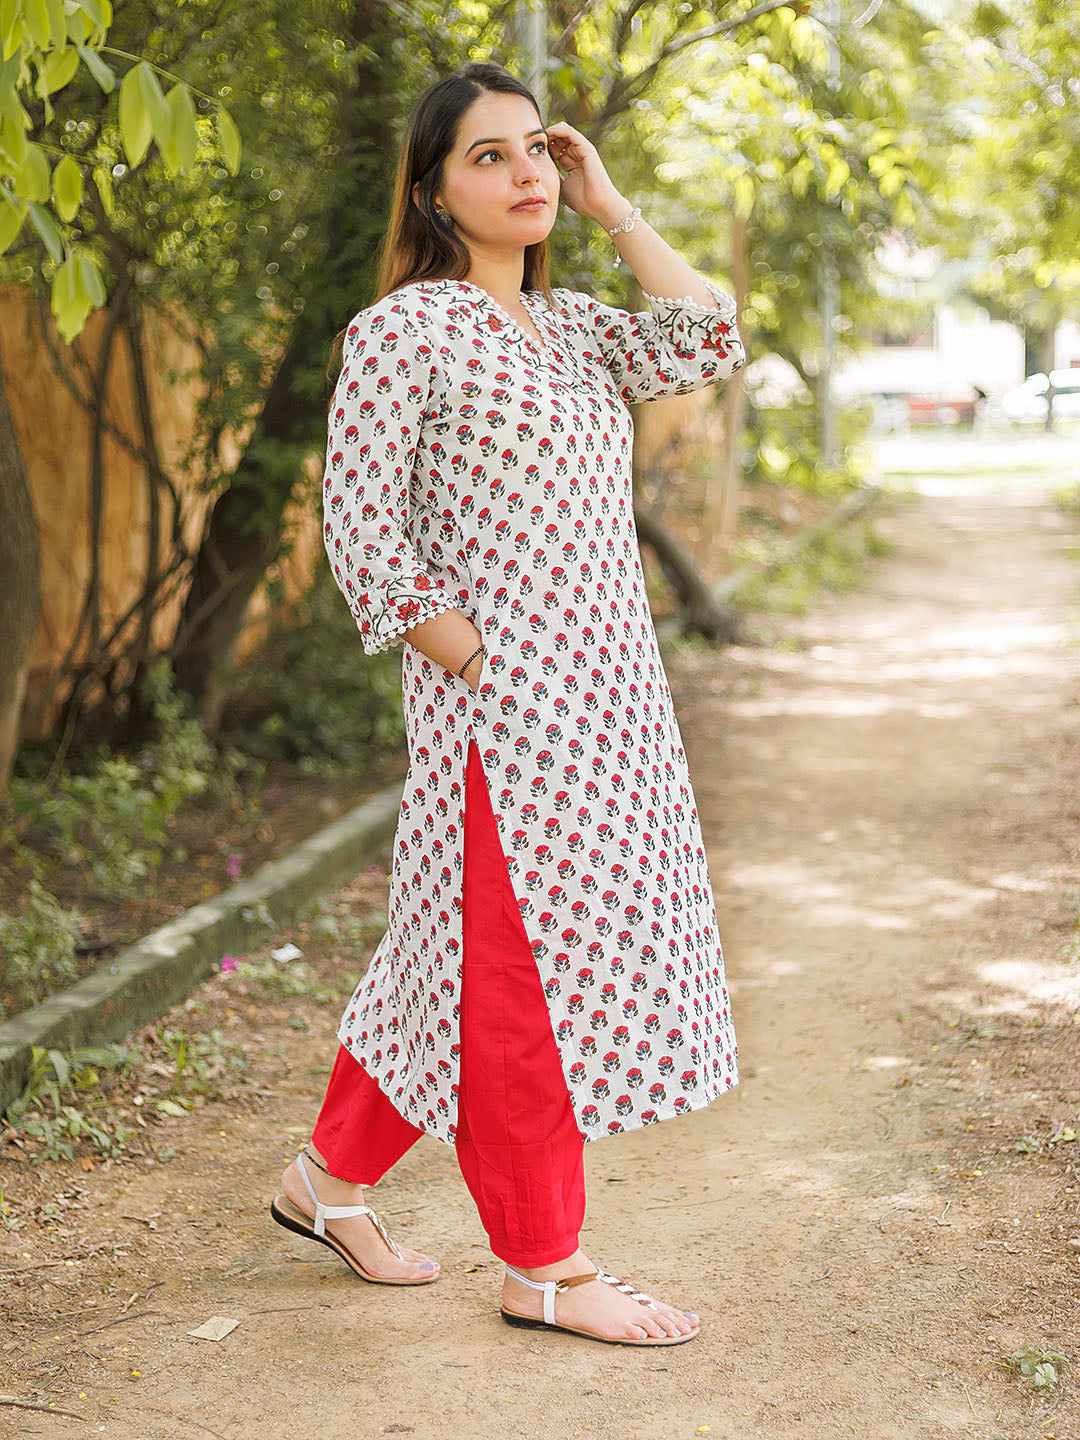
column 216, row 1328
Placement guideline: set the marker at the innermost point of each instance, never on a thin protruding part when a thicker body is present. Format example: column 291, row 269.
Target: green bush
column 113, row 821
column 781, row 448
column 37, row 950
column 312, row 697
column 834, row 561
column 63, row 1093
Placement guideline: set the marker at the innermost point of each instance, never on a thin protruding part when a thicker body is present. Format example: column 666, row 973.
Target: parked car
column 1026, row 404
column 955, row 407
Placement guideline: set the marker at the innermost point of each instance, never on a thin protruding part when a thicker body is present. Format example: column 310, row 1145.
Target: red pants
column 517, row 1141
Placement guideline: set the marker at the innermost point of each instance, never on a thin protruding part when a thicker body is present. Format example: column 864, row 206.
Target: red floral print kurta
column 467, row 467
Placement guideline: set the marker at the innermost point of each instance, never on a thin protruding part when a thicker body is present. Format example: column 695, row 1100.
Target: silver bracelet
column 626, row 224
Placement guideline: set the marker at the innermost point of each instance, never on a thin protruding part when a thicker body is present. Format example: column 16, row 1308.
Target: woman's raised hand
column 586, row 186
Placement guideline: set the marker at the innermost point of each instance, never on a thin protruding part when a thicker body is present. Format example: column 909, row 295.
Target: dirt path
column 891, row 802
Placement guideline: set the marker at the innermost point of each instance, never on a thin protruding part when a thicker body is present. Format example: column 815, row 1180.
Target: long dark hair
column 418, row 245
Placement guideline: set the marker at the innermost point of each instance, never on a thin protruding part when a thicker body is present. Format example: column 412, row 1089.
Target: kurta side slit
column 518, row 1142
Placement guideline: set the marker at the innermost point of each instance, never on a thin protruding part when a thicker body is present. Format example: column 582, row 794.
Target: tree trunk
column 723, row 496
column 702, row 613
column 20, row 593
column 244, row 529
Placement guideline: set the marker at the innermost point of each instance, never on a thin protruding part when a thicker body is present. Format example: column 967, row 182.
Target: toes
column 683, row 1321
column 418, row 1255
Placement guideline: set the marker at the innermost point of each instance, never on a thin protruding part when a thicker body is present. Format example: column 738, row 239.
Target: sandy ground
column 890, row 798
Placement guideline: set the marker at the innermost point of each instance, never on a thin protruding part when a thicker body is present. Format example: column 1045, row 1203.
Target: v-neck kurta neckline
column 545, row 348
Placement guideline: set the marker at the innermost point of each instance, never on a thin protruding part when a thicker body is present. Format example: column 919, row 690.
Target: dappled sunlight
column 1021, row 980
column 840, row 708
column 826, row 903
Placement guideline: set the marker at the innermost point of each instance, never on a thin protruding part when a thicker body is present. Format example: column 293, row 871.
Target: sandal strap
column 340, row 1212
column 627, row 1289
column 549, row 1287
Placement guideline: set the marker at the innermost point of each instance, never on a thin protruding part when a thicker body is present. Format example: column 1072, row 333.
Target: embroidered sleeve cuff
column 698, row 326
column 405, row 602
column 725, row 302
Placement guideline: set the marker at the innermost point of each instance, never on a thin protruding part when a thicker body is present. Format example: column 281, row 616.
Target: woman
column 551, row 971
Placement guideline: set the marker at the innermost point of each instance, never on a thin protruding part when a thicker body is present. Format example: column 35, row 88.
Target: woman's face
column 500, row 157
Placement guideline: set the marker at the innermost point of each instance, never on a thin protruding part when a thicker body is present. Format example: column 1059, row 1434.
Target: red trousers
column 518, row 1142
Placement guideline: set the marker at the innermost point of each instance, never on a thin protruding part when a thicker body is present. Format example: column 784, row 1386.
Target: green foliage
column 37, row 950
column 113, row 822
column 60, row 1103
column 46, row 48
column 312, row 697
column 834, row 561
column 1068, row 497
column 1039, row 1365
column 68, row 1104
column 782, row 447
column 199, row 1061
column 296, row 978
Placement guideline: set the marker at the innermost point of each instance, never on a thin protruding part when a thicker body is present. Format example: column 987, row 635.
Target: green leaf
column 134, row 117
column 13, row 141
column 77, row 289
column 67, row 182
column 33, row 180
column 60, row 65
column 229, row 136
column 60, row 1065
column 12, row 216
column 10, row 27
column 101, row 72
column 57, row 22
column 103, row 181
column 143, row 112
column 90, row 279
column 184, row 132
column 171, row 1107
column 156, row 104
column 99, row 11
column 46, row 228
column 66, row 299
column 36, row 17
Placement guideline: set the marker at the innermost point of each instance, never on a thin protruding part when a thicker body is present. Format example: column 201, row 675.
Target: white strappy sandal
column 552, row 1287
column 286, row 1213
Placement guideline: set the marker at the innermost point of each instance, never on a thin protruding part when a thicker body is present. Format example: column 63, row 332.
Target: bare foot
column 596, row 1305
column 357, row 1232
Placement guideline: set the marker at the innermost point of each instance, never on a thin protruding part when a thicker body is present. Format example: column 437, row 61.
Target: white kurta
column 466, row 467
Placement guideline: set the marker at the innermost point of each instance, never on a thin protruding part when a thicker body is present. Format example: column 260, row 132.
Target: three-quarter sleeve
column 388, row 380
column 676, row 346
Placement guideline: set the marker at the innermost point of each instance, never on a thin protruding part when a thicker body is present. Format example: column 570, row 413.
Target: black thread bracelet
column 478, row 651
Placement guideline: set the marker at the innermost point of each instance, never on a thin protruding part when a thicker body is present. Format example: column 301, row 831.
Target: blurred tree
column 1011, row 209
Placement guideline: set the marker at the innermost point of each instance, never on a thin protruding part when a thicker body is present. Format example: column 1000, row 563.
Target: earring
column 445, row 217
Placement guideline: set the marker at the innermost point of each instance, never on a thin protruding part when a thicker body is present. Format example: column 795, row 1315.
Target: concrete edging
column 164, row 966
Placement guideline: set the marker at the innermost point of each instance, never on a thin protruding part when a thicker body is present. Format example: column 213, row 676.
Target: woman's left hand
column 586, row 185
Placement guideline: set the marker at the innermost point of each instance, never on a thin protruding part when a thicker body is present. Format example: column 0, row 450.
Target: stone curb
column 164, row 966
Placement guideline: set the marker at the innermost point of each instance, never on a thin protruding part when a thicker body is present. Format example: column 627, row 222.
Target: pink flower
column 230, row 962
column 233, row 865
